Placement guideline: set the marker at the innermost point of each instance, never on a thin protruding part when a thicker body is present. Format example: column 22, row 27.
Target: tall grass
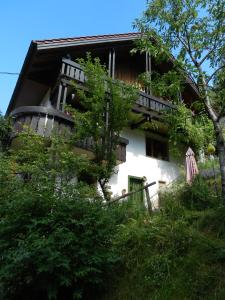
column 178, row 253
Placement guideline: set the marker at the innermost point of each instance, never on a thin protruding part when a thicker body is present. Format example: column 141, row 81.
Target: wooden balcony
column 146, row 104
column 48, row 121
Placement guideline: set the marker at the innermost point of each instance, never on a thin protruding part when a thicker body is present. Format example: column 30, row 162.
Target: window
column 156, row 148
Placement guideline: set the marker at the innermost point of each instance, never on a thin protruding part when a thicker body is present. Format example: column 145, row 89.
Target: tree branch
column 221, row 113
column 206, row 100
column 207, row 55
column 214, row 73
column 189, row 50
column 213, row 48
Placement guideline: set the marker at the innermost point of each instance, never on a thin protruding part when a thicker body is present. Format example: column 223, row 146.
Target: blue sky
column 24, row 20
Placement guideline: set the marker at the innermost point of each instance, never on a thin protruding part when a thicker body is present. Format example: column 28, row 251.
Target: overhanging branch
column 214, row 73
column 222, row 112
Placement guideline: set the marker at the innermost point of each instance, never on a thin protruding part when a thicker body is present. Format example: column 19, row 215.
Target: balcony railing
column 48, row 121
column 73, row 71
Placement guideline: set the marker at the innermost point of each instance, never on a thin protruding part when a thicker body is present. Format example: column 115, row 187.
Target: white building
column 44, row 88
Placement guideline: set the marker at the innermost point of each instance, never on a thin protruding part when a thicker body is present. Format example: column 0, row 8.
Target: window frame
column 153, row 144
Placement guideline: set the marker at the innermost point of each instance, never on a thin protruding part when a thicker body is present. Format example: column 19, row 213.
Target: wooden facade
column 47, row 121
column 72, row 71
column 51, row 65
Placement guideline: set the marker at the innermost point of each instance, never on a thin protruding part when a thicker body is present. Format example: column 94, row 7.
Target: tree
column 194, row 32
column 5, row 131
column 105, row 105
column 55, row 234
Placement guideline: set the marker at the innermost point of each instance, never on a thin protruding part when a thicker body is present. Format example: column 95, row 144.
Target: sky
column 24, row 20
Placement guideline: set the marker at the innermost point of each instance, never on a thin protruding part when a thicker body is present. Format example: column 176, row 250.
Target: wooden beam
column 113, row 63
column 148, row 69
column 137, row 124
column 131, row 193
column 59, row 96
column 64, row 98
column 149, row 204
column 110, row 63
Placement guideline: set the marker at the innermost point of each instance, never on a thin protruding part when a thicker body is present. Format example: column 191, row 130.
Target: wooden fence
column 145, row 188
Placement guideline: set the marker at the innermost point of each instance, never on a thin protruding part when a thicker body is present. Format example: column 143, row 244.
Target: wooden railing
column 41, row 120
column 125, row 196
column 73, row 71
column 48, row 121
column 153, row 103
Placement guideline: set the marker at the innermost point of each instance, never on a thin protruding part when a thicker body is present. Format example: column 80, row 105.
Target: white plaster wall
column 139, row 165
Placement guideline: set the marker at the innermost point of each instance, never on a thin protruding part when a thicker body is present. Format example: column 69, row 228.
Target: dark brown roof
column 119, row 36
column 85, row 40
column 64, row 43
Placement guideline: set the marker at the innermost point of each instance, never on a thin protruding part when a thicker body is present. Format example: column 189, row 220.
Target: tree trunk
column 104, row 188
column 220, row 144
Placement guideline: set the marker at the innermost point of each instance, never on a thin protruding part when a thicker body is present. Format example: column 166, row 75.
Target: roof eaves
column 85, row 41
column 31, row 51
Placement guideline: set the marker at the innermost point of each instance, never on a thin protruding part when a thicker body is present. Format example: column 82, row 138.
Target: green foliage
column 38, row 158
column 167, row 85
column 193, row 33
column 191, row 30
column 58, row 240
column 55, row 234
column 199, row 195
column 53, row 245
column 105, row 103
column 134, row 118
column 5, row 130
column 178, row 253
column 184, row 128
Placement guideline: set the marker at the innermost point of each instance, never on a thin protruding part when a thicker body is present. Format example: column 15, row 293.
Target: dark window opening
column 157, row 149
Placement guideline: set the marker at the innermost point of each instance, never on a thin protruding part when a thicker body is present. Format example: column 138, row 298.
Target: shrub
column 199, row 195
column 53, row 246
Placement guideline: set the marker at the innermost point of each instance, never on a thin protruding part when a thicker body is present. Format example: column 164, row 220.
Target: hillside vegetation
column 59, row 240
column 178, row 253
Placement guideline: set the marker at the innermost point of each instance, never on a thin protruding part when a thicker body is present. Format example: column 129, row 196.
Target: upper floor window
column 157, row 148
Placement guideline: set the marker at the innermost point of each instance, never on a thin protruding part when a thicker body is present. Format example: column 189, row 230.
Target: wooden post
column 63, row 68
column 130, row 193
column 149, row 204
column 59, row 96
column 111, row 65
column 148, row 69
column 64, row 97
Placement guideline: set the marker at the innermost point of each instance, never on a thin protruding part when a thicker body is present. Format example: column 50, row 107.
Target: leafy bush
column 5, row 130
column 55, row 234
column 54, row 247
column 178, row 253
column 58, row 240
column 199, row 195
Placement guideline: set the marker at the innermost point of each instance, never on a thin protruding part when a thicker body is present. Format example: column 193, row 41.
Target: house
column 44, row 88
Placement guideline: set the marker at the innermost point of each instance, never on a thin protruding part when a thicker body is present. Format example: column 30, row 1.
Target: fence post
column 149, row 204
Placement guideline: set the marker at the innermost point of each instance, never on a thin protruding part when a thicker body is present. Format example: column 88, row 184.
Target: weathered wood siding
column 47, row 122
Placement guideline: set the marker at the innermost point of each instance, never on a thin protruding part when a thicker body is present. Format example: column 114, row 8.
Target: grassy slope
column 178, row 253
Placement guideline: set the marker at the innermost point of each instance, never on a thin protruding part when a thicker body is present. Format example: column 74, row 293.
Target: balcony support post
column 64, row 97
column 59, row 96
column 148, row 69
column 111, row 65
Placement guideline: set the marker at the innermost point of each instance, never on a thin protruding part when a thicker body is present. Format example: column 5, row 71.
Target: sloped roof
column 95, row 39
column 64, row 43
